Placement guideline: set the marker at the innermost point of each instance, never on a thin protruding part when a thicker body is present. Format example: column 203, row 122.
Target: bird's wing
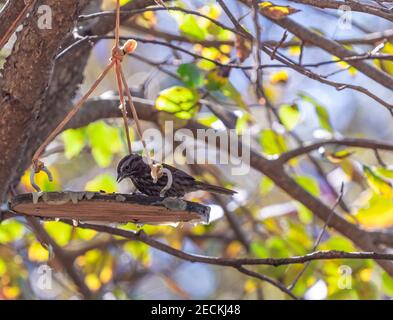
column 177, row 172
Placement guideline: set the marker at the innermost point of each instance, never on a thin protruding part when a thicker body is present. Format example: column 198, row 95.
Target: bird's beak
column 119, row 178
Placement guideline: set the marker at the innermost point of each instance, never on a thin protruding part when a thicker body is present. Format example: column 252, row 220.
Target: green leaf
column 104, row 141
column 191, row 75
column 266, row 185
column 3, row 267
column 384, row 172
column 377, row 184
column 74, row 141
column 272, row 143
column 180, row 101
column 289, row 115
column 189, row 26
column 304, row 214
column 309, row 184
column 105, row 182
column 242, row 122
column 387, row 284
column 336, row 242
column 322, row 113
column 207, row 120
column 277, row 247
column 259, row 250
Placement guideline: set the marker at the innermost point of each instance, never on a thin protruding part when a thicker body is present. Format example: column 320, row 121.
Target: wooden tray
column 114, row 207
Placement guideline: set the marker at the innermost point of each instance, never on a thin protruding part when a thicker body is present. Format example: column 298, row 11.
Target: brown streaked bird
column 136, row 168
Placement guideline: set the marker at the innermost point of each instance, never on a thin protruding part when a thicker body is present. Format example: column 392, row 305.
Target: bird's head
column 129, row 166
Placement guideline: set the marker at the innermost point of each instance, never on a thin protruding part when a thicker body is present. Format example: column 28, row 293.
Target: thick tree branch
column 353, row 5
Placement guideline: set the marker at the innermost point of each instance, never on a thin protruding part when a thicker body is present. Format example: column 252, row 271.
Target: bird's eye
column 127, row 168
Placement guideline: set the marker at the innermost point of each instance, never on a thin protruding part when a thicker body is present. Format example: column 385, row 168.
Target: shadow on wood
column 115, row 208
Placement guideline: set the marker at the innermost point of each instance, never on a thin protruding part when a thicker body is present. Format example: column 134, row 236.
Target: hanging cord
column 117, row 56
column 115, row 61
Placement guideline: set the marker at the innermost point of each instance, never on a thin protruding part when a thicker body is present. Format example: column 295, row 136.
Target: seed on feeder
column 89, row 195
column 56, row 198
column 120, row 198
column 74, row 197
column 174, row 204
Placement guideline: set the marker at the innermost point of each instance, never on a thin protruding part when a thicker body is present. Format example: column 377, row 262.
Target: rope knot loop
column 117, row 54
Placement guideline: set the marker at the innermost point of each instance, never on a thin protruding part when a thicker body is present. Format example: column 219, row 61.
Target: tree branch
column 349, row 142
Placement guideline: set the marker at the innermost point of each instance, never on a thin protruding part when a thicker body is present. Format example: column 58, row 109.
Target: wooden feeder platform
column 111, row 208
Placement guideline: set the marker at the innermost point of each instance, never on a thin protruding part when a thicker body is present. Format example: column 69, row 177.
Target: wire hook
column 36, row 168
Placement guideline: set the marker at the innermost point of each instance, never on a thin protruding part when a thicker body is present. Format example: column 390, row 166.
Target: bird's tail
column 214, row 189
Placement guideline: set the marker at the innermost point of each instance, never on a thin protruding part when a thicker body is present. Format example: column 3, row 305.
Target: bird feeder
column 91, row 207
column 101, row 207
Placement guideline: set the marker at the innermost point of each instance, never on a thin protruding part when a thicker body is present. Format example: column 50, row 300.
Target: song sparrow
column 136, row 168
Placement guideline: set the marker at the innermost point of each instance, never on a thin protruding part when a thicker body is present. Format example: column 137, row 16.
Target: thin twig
column 318, row 240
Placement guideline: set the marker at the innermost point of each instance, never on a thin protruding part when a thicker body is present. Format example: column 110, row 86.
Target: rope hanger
column 116, row 60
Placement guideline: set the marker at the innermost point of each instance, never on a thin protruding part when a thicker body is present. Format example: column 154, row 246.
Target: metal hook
column 168, row 184
column 32, row 177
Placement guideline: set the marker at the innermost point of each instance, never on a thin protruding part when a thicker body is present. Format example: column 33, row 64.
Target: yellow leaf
column 249, row 286
column 93, row 282
column 279, row 77
column 344, row 65
column 234, row 248
column 377, row 184
column 338, row 156
column 37, row 253
column 294, row 51
column 275, row 12
column 11, row 292
column 365, row 274
column 377, row 212
column 106, row 274
column 386, row 65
